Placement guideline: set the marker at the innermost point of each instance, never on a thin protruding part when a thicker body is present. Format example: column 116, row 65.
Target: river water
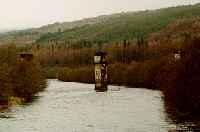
column 76, row 107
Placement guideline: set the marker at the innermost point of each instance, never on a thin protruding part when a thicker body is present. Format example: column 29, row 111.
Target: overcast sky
column 34, row 13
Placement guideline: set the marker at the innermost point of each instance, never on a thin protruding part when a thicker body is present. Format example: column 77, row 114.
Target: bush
column 116, row 73
column 51, row 72
column 18, row 78
column 5, row 84
column 30, row 81
column 181, row 80
column 81, row 74
column 134, row 75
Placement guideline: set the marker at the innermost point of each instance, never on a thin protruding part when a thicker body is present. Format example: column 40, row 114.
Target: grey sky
column 34, row 13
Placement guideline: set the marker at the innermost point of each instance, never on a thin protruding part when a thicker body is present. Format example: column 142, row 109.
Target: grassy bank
column 135, row 74
column 180, row 81
column 21, row 79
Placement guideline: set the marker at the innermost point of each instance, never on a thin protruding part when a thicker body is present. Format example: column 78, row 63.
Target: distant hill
column 29, row 36
column 177, row 32
column 103, row 29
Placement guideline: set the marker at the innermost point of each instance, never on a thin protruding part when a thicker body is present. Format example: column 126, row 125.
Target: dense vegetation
column 18, row 78
column 121, row 26
column 180, row 81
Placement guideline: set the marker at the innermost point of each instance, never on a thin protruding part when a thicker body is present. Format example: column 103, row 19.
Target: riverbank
column 20, row 79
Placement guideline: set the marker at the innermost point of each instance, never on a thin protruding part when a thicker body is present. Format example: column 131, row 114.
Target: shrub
column 18, row 78
column 5, row 84
column 81, row 74
column 181, row 80
column 51, row 72
column 116, row 73
column 28, row 79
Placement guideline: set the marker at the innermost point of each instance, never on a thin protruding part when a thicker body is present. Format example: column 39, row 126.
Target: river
column 76, row 107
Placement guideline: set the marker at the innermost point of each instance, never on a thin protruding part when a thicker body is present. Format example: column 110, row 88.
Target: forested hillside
column 29, row 36
column 124, row 26
column 102, row 29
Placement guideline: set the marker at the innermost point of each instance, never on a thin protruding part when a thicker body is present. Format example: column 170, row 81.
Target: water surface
column 76, row 107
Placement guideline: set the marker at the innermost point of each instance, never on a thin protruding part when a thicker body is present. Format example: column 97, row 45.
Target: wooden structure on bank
column 101, row 77
column 26, row 56
column 178, row 55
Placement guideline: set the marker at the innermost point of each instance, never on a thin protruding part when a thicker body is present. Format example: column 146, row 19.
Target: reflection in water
column 183, row 121
column 76, row 107
column 4, row 115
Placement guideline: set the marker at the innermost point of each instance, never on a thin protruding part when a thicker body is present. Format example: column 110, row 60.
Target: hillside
column 176, row 32
column 29, row 36
column 103, row 29
column 124, row 26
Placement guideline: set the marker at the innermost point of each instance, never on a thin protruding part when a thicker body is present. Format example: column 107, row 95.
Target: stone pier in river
column 101, row 76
